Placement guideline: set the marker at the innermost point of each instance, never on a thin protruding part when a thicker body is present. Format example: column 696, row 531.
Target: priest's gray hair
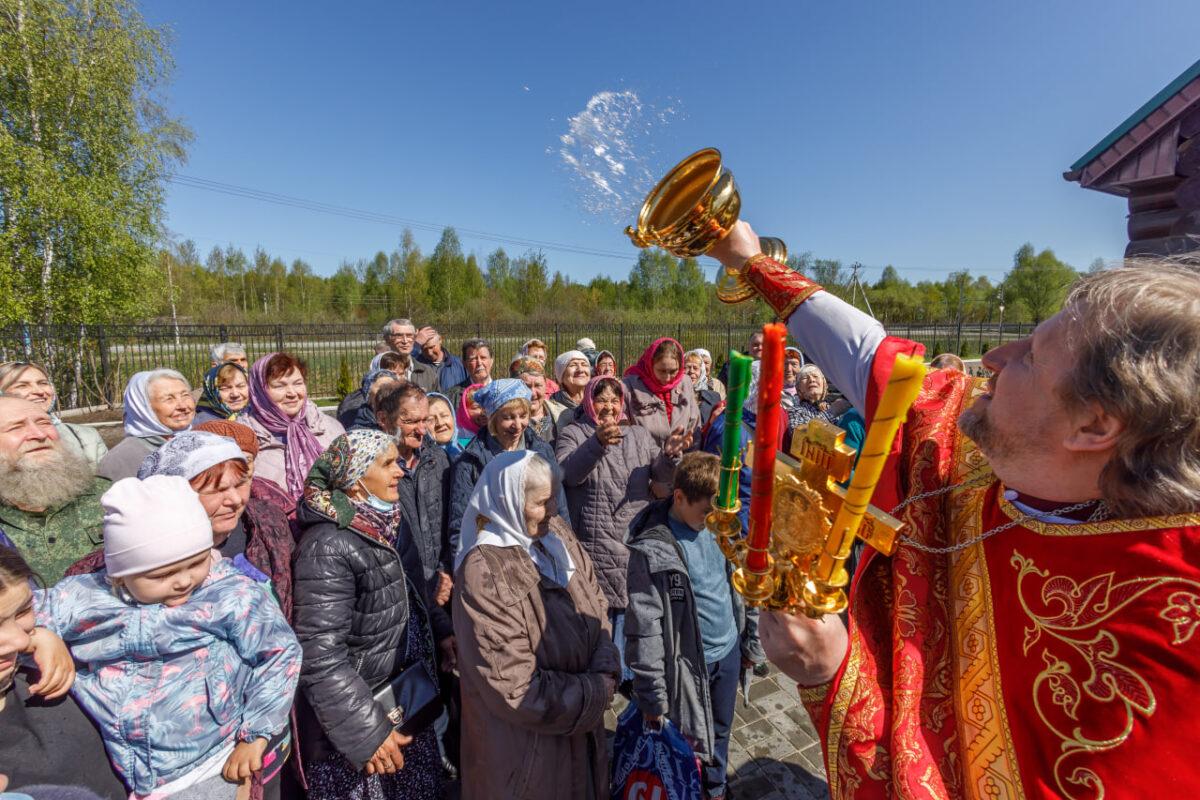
column 1137, row 354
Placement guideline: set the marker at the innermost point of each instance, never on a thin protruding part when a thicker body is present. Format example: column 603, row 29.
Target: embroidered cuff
column 782, row 287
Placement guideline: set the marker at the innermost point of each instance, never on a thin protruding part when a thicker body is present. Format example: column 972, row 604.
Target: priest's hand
column 809, row 651
column 738, row 247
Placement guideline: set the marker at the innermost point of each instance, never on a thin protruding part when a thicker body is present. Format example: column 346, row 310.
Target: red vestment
column 1049, row 660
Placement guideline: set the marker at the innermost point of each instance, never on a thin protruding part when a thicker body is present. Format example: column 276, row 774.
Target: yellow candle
column 901, row 392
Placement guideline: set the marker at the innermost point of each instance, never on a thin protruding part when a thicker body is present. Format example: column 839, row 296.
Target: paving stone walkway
column 773, row 750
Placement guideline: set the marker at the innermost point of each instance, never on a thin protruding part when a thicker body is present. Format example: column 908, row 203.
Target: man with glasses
column 400, row 335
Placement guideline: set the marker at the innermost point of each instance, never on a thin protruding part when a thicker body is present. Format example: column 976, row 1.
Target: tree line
column 451, row 286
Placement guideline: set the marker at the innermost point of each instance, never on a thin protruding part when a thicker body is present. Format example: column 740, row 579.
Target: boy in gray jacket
column 681, row 624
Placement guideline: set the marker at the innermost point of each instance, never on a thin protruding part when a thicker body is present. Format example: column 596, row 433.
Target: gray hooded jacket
column 663, row 646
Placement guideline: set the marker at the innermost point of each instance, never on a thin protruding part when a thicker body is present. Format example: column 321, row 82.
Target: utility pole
column 856, row 286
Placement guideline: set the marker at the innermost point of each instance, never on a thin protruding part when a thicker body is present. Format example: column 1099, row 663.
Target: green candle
column 731, row 443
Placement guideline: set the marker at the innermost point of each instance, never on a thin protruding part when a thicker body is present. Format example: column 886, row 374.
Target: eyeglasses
column 405, row 336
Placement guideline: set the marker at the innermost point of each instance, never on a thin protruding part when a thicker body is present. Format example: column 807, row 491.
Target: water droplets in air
column 610, row 151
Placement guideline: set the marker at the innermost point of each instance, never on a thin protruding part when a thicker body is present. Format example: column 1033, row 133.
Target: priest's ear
column 1093, row 430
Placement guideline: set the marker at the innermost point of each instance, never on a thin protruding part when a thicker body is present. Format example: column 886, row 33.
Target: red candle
column 766, row 442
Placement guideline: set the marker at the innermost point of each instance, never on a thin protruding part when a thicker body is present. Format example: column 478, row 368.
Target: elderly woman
column 158, row 405
column 707, row 399
column 573, row 371
column 217, row 460
column 661, row 397
column 226, row 393
column 541, row 419
column 441, row 424
column 361, row 618
column 810, row 403
column 291, row 430
column 31, row 382
column 612, row 470
column 705, row 380
column 506, row 403
column 606, row 364
column 469, row 416
column 536, row 658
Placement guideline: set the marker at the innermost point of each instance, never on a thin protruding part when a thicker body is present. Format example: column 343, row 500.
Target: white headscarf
column 189, row 453
column 751, row 403
column 702, row 382
column 140, row 419
column 560, row 363
column 496, row 516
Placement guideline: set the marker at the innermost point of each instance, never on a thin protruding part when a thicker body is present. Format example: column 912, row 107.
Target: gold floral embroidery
column 1071, row 613
column 1182, row 611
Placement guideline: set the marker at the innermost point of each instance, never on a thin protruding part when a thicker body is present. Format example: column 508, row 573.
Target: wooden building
column 1153, row 159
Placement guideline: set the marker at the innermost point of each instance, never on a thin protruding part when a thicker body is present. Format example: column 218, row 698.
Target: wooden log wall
column 1164, row 218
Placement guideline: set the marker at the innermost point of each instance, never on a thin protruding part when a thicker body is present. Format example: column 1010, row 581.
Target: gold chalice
column 692, row 208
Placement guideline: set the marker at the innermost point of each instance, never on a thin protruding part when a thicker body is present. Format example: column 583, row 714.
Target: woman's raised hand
column 609, row 433
column 677, row 443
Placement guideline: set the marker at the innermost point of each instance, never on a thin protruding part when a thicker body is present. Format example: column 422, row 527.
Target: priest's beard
column 997, row 445
column 49, row 481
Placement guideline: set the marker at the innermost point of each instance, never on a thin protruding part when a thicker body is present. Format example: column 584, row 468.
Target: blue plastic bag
column 652, row 764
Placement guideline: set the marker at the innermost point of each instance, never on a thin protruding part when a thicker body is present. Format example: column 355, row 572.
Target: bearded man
column 1033, row 635
column 49, row 496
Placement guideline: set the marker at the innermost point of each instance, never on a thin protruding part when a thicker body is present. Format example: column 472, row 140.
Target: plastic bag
column 652, row 764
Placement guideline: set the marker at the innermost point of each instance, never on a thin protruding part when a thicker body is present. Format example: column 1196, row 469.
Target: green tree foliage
column 1039, row 281
column 449, row 285
column 84, row 148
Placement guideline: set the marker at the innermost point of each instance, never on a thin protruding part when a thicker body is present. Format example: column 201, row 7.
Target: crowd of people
column 241, row 593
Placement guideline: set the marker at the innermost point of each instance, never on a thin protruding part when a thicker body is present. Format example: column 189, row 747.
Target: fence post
column 557, row 346
column 728, row 338
column 224, row 333
column 621, row 349
column 106, row 378
column 279, row 338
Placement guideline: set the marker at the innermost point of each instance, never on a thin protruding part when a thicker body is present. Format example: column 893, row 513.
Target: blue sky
column 928, row 135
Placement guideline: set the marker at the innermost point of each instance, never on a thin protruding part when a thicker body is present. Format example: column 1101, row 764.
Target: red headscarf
column 463, row 415
column 644, row 369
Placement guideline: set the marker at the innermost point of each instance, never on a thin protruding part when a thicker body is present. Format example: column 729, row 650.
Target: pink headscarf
column 301, row 447
column 644, row 369
column 589, row 403
column 463, row 416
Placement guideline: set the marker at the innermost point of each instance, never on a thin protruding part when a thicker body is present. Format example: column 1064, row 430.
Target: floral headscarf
column 342, row 465
column 211, row 396
column 301, row 446
column 702, row 382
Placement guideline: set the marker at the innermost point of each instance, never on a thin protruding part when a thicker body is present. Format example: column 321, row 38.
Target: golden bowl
column 691, row 209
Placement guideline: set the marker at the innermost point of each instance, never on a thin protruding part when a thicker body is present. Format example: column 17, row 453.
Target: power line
column 315, row 206
column 248, row 193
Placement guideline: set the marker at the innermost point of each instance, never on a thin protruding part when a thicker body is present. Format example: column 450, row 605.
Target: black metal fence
column 90, row 364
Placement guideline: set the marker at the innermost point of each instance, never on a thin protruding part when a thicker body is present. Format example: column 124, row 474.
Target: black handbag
column 410, row 700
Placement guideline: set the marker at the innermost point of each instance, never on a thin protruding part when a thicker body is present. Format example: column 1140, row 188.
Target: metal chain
column 1101, row 511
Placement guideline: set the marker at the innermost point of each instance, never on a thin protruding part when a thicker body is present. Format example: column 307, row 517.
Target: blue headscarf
column 500, row 391
column 453, row 447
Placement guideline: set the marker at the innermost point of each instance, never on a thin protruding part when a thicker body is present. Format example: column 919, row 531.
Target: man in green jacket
column 49, row 496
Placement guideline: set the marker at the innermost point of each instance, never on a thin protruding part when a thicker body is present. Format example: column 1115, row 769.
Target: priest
column 1035, row 632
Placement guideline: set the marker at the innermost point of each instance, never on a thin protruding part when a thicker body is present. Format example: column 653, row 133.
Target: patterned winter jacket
column 164, row 685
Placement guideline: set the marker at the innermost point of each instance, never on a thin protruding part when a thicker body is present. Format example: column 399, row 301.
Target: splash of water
column 610, row 152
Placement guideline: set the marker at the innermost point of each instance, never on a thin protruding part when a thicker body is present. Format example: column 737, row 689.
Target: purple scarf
column 301, row 447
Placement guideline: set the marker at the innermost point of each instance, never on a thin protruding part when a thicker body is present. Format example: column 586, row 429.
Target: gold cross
column 807, row 498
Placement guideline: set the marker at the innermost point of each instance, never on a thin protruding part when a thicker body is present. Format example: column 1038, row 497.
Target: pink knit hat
column 151, row 523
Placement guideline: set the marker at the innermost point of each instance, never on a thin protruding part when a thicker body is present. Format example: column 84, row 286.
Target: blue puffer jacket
column 168, row 687
column 469, row 466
